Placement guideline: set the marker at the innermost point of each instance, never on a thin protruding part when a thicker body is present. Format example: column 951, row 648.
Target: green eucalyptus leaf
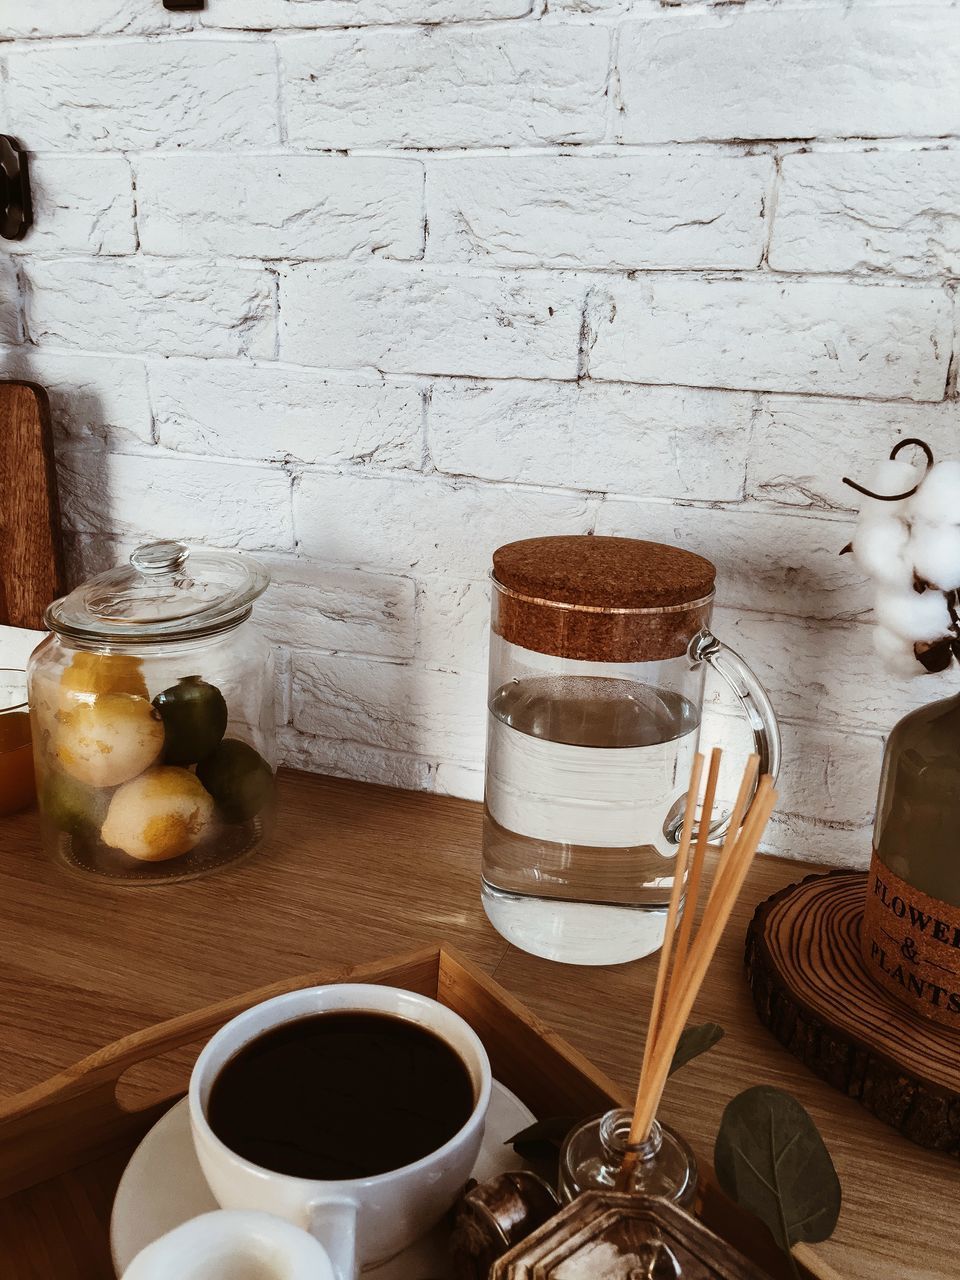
column 770, row 1158
column 694, row 1041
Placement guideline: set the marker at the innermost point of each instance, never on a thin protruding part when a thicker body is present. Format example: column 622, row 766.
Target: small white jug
column 233, row 1244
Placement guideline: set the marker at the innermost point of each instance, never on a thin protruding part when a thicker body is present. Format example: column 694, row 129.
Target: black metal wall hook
column 180, row 6
column 16, row 211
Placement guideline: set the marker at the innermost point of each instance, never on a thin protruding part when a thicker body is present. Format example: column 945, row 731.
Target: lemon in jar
column 238, row 778
column 71, row 806
column 160, row 815
column 99, row 673
column 108, row 741
column 194, row 715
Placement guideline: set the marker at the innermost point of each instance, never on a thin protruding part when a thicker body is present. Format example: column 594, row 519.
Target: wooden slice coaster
column 811, row 988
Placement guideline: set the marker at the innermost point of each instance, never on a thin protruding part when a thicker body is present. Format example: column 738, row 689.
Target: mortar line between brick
column 729, row 148
column 281, row 97
column 614, row 91
column 22, row 284
column 465, row 270
column 209, row 30
column 771, row 201
column 131, row 162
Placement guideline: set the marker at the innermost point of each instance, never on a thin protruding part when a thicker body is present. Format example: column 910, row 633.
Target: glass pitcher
column 598, row 651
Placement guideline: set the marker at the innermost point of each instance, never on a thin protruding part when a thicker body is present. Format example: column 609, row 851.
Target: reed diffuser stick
column 747, row 788
column 677, row 987
column 679, row 875
column 700, row 957
column 696, row 866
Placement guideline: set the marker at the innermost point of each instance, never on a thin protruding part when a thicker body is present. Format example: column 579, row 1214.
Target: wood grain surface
column 356, row 873
column 812, row 989
column 31, row 560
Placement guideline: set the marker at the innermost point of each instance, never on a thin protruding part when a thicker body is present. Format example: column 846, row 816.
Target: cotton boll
column 896, row 653
column 913, row 615
column 935, row 552
column 938, row 498
column 893, row 475
column 881, row 549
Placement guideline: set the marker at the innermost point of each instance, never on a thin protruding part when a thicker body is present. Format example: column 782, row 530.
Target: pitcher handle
column 757, row 707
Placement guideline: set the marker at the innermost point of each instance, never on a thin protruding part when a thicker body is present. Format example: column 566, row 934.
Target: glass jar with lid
column 152, row 708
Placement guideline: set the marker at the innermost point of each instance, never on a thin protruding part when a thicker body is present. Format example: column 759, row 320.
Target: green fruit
column 194, row 716
column 238, row 778
column 72, row 806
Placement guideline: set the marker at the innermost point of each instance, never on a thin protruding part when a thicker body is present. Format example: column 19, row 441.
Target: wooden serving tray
column 65, row 1143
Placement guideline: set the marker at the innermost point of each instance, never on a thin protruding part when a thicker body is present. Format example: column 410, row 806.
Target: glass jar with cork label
column 598, row 650
column 152, row 717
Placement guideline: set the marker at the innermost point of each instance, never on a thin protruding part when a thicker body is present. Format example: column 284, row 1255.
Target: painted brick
column 156, row 496
column 310, row 606
column 453, row 620
column 809, row 840
column 599, row 211
column 281, row 206
column 265, row 412
column 104, row 397
column 411, row 320
column 447, row 87
column 803, row 446
column 822, row 673
column 811, row 336
column 171, row 308
column 882, row 211
column 9, row 303
column 765, row 561
column 139, row 95
column 355, row 760
column 381, row 704
column 664, row 442
column 431, row 525
column 81, row 204
column 788, row 73
column 89, row 18
column 455, row 779
column 279, row 14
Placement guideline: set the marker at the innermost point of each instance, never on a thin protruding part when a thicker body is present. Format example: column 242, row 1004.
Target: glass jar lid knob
column 165, row 556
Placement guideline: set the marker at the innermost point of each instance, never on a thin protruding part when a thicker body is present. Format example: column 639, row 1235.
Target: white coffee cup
column 360, row 1221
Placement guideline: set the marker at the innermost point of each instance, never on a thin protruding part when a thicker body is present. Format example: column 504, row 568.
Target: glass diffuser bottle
column 592, row 1154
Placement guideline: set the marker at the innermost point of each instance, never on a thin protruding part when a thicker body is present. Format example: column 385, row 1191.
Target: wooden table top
column 356, row 873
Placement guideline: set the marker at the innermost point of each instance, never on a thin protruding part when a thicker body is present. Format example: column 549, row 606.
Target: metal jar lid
column 168, row 591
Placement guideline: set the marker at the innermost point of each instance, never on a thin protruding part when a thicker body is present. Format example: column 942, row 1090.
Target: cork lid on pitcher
column 601, row 599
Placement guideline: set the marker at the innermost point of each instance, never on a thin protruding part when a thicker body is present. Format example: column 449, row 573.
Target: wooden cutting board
column 31, row 553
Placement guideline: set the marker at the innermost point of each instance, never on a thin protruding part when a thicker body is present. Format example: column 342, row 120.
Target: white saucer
column 163, row 1186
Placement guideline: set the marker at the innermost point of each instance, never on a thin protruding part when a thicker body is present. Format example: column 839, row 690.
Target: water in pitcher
column 586, row 779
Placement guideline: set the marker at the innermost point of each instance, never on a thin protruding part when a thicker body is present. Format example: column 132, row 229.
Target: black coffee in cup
column 346, row 1094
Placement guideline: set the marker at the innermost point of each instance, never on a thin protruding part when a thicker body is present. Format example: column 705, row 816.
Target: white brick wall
column 369, row 287
column 447, row 87
column 600, row 211
column 282, row 206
